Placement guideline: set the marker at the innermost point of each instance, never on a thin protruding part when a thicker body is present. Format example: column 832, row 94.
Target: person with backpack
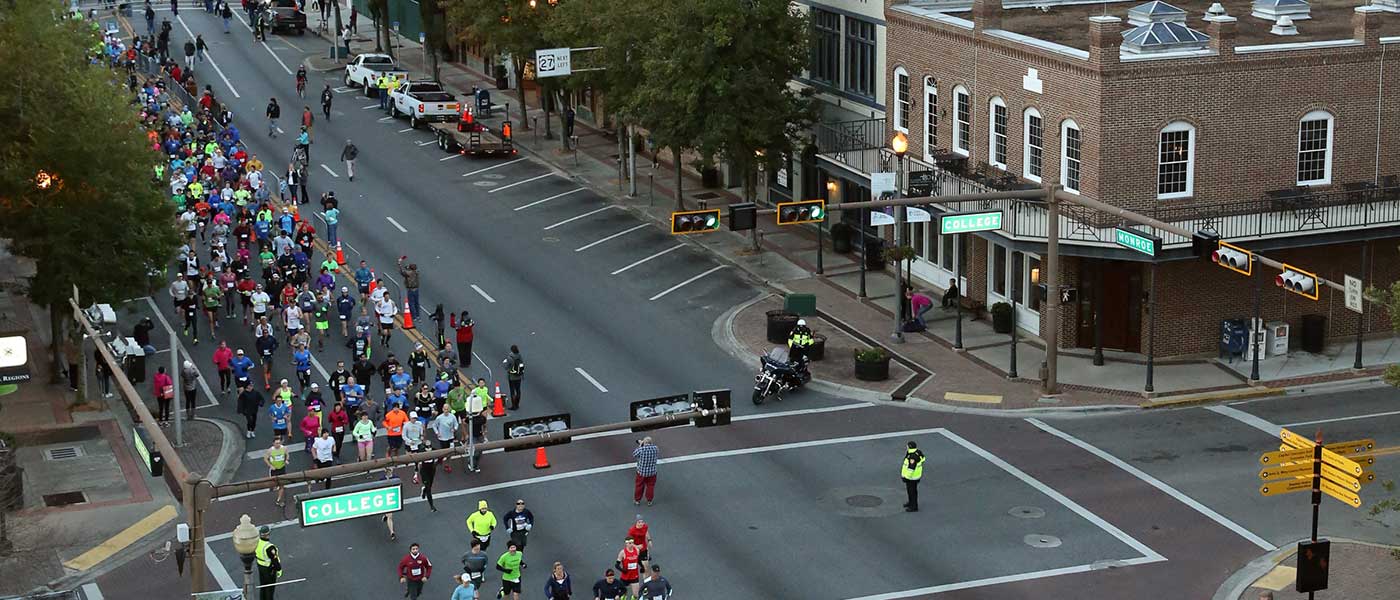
column 348, row 155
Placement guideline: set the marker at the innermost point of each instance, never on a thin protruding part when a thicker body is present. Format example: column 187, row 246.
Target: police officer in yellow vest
column 393, row 87
column 269, row 564
column 911, row 471
column 382, row 84
column 798, row 343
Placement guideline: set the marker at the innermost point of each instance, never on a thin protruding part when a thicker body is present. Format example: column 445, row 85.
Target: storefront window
column 999, row 270
column 1034, row 268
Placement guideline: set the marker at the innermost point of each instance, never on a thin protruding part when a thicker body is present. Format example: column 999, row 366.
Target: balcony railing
column 855, row 143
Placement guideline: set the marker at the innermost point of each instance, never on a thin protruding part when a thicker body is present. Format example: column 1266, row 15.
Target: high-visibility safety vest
column 277, row 456
column 261, row 554
column 912, row 468
column 800, row 340
column 382, row 83
column 393, row 83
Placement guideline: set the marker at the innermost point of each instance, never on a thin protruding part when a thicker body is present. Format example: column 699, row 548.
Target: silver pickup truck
column 424, row 101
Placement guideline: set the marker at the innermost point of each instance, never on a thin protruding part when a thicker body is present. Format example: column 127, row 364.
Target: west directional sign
column 1342, row 463
column 1286, row 456
column 1346, row 496
column 353, row 502
column 1286, row 470
column 1295, row 440
column 1346, row 480
column 1352, row 447
column 1137, row 241
column 970, row 222
column 1286, row 487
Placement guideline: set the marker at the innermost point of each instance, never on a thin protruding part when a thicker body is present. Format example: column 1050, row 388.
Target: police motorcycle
column 779, row 375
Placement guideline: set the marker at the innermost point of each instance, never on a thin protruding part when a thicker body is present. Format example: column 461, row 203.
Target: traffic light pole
column 1254, row 335
column 898, row 335
column 1361, row 318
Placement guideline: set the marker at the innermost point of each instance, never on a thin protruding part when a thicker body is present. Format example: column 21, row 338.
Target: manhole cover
column 493, row 176
column 1040, row 540
column 1026, row 512
column 63, row 453
column 64, row 499
column 864, row 501
column 485, row 184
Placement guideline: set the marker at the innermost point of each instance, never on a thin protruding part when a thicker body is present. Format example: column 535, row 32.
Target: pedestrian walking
column 609, row 588
column 386, row 310
column 276, row 460
column 189, row 55
column 515, row 373
column 345, row 36
column 226, row 14
column 200, row 47
column 189, row 384
column 269, row 564
column 510, row 564
column 656, row 587
column 646, row 454
column 418, row 365
column 164, row 390
column 274, row 112
column 911, row 470
column 150, row 19
column 445, row 432
column 103, row 372
column 474, row 566
column 323, row 452
column 340, row 423
column 410, row 284
column 465, row 330
column 308, row 120
column 519, row 522
column 326, row 97
column 559, row 586
column 223, row 362
column 427, row 473
column 481, row 523
column 414, row 571
column 348, row 154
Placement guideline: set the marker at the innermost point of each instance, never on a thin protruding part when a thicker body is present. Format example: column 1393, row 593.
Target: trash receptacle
column 780, row 324
column 1314, row 333
column 874, row 253
column 801, row 304
column 817, row 351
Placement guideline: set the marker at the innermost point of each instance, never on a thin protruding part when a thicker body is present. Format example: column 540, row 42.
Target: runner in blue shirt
column 362, row 278
column 281, row 414
column 400, row 380
column 353, row 393
column 302, row 358
column 267, row 346
column 443, row 385
column 345, row 306
column 240, row 366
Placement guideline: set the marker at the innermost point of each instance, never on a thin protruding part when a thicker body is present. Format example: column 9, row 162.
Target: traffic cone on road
column 407, row 315
column 373, row 281
column 498, row 408
column 339, row 254
column 541, row 460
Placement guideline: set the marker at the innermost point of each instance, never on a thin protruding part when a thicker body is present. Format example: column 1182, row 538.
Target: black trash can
column 841, row 238
column 780, row 324
column 1314, row 333
column 817, row 351
column 874, row 253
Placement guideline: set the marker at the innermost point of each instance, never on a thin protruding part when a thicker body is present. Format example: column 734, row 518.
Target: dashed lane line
column 508, row 186
column 396, row 225
column 537, row 202
column 591, row 379
column 658, row 254
column 685, row 283
column 328, row 170
column 483, row 293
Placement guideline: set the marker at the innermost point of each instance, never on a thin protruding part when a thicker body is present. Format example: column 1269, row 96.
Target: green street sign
column 970, row 222
column 364, row 500
column 1136, row 240
column 149, row 456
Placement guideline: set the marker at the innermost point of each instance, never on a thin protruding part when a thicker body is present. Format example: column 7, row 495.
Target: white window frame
column 930, row 118
column 1318, row 115
column 1026, row 144
column 902, row 102
column 993, row 136
column 1065, row 126
column 961, row 143
column 1175, row 126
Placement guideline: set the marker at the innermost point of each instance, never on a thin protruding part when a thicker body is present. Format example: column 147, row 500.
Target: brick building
column 1270, row 123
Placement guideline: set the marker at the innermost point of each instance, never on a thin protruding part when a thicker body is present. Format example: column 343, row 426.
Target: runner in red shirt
column 629, row 565
column 640, row 533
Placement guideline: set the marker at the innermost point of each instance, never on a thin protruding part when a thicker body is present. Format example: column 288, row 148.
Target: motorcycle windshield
column 779, row 354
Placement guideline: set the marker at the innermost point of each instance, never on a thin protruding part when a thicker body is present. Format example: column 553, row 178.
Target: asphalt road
column 795, row 500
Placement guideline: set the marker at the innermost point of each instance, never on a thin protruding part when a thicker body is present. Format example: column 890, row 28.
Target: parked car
column 423, row 101
column 366, row 68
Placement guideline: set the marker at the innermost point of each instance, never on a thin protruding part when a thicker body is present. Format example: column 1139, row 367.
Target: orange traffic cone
column 373, row 281
column 541, row 460
column 407, row 315
column 498, row 408
column 339, row 254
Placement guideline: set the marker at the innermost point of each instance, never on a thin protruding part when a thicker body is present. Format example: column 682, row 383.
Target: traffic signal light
column 1203, row 243
column 657, row 407
column 711, row 400
column 1312, row 565
column 695, row 221
column 1297, row 281
column 743, row 217
column 505, row 131
column 536, row 426
column 1234, row 258
column 801, row 211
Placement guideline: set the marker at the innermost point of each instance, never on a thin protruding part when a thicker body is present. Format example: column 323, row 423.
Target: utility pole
column 1052, row 293
column 1361, row 318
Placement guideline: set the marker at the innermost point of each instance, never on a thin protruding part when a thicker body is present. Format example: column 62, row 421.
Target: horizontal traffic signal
column 695, row 221
column 537, row 427
column 660, row 407
column 1234, row 258
column 801, row 211
column 708, row 401
column 1297, row 281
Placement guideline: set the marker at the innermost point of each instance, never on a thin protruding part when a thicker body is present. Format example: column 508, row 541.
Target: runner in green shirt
column 510, row 564
column 213, row 300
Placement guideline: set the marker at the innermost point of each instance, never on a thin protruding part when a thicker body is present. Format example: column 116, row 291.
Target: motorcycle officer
column 798, row 342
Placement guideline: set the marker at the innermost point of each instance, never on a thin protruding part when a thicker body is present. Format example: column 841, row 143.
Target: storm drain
column 64, row 499
column 1026, row 512
column 1040, row 540
column 864, row 501
column 63, row 453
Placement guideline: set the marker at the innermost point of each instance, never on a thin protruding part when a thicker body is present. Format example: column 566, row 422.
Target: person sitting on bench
column 951, row 297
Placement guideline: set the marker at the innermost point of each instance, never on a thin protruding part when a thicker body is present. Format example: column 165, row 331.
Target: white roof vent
column 1215, row 12
column 1272, row 10
column 1284, row 26
column 1155, row 12
column 1387, row 5
column 1163, row 37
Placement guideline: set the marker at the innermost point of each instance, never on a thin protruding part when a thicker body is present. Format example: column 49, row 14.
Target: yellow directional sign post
column 1295, row 440
column 1287, row 470
column 1286, row 487
column 1346, row 480
column 1352, row 447
column 1346, row 496
column 1286, row 456
column 1342, row 463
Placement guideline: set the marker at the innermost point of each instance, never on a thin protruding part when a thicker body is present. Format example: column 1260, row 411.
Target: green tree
column 512, row 27
column 434, row 33
column 93, row 218
column 1389, row 298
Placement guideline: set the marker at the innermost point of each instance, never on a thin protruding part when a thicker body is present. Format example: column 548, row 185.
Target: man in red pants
column 646, row 454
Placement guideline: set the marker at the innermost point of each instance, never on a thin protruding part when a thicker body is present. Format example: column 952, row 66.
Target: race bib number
column 416, row 572
column 339, row 429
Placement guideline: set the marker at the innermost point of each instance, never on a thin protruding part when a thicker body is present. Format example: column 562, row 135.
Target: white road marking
column 666, row 251
column 508, row 186
column 613, row 236
column 276, row 58
column 210, row 56
column 279, row 130
column 990, row 581
column 328, row 170
column 288, row 42
column 383, row 119
column 91, row 591
column 1247, row 419
column 180, row 344
column 216, row 568
column 591, row 379
column 450, row 157
column 396, row 225
column 520, row 208
column 492, row 167
column 406, row 129
column 1336, row 419
column 427, row 142
column 483, row 294
column 1154, row 482
column 342, row 90
column 686, row 282
column 369, row 107
column 575, row 218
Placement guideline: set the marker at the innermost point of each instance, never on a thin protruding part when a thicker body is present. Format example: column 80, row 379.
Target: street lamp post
column 821, row 225
column 245, row 543
column 900, row 145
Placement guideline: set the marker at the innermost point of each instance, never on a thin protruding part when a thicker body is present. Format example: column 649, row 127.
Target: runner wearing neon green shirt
column 510, row 564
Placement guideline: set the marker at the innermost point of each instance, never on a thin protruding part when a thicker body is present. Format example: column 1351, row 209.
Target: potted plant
column 841, row 238
column 872, row 364
column 1001, row 317
column 780, row 324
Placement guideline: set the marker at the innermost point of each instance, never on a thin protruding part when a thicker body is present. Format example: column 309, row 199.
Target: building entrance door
column 1111, row 293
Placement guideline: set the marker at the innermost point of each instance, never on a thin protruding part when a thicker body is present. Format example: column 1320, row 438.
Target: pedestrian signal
column 695, row 221
column 1234, row 258
column 1313, row 557
column 801, row 211
column 505, row 131
column 1297, row 281
column 743, row 217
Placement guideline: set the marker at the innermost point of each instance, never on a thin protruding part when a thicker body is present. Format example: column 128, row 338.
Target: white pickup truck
column 423, row 101
column 366, row 68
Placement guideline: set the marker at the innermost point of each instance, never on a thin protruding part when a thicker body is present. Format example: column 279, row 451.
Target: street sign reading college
column 364, row 500
column 970, row 222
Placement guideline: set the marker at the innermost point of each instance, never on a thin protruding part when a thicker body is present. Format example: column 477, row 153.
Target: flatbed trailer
column 472, row 138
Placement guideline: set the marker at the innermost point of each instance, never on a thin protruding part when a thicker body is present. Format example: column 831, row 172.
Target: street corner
column 748, row 327
column 323, row 64
column 1230, row 394
column 1355, row 570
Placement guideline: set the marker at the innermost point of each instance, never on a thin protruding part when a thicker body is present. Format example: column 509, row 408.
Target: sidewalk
column 1356, row 571
column 931, row 370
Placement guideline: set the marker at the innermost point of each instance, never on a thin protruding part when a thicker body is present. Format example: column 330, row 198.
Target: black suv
column 287, row 16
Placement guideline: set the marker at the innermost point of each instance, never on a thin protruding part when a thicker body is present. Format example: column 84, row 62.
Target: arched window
column 901, row 99
column 996, row 132
column 1315, row 148
column 962, row 121
column 1176, row 160
column 1071, row 155
column 1033, row 153
column 930, row 118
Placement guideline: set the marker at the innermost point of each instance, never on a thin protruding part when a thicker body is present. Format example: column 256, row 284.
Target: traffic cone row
column 407, row 315
column 498, row 409
column 339, row 254
column 541, row 459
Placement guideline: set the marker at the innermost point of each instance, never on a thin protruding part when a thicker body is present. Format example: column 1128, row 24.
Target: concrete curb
column 1209, row 397
column 230, row 452
column 1235, row 586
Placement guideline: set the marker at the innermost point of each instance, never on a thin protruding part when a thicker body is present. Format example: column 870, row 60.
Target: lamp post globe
column 245, row 543
column 899, row 143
